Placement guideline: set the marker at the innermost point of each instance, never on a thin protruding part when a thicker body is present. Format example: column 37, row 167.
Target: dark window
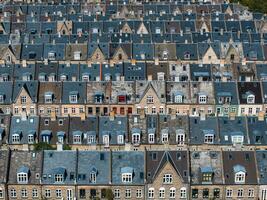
column 82, row 194
column 194, row 193
column 206, row 193
column 90, row 110
column 103, row 193
column 102, row 156
column 72, row 176
column 154, row 156
column 121, row 98
column 216, row 193
column 93, row 193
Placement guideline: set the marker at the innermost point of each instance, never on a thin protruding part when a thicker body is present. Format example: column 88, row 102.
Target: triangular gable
column 149, row 88
column 98, row 54
column 120, row 54
column 166, row 158
column 126, row 28
column 19, row 12
column 64, row 28
column 124, row 11
column 229, row 11
column 263, row 27
column 204, row 26
column 23, row 92
column 8, row 52
column 209, row 52
column 231, row 49
column 142, row 29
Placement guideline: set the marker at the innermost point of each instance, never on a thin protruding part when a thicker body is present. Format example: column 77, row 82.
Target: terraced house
column 128, row 99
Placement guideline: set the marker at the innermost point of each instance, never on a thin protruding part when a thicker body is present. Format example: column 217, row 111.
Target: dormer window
column 48, row 97
column 202, row 99
column 164, row 136
column 158, row 31
column 165, row 55
column 237, row 139
column 187, row 55
column 95, row 30
column 93, row 176
column 77, row 55
column 32, row 55
column 63, row 77
column 250, row 99
column 42, row 77
column 22, row 176
column 99, row 97
column 16, row 138
column 208, row 136
column 240, row 174
column 107, row 77
column 120, row 139
column 8, row 59
column 85, row 77
column 73, row 97
column 121, row 98
column 178, row 98
column 151, row 138
column 59, row 178
column 161, row 76
column 31, row 138
column 2, row 98
column 143, row 56
column 127, row 174
column 180, row 136
column 51, row 55
column 77, row 137
column 106, row 140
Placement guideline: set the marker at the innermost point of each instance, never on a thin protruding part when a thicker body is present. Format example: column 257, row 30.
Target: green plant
column 43, row 146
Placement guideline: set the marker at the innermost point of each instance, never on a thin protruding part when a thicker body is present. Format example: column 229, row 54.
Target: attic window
column 77, row 55
column 202, row 99
column 52, row 55
column 22, row 177
column 2, row 97
column 251, row 98
column 187, row 55
column 32, row 55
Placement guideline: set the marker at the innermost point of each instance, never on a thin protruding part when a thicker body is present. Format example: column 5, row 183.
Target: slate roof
column 4, row 157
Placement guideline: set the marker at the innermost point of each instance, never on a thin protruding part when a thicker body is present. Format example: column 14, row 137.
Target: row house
column 134, row 132
column 151, row 174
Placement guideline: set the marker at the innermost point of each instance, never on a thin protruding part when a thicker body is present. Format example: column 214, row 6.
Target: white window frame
column 106, row 140
column 77, row 55
column 180, row 138
column 58, row 193
column 139, row 193
column 15, row 138
column 126, row 177
column 22, row 177
column 34, row 193
column 149, row 99
column 30, row 139
column 251, row 99
column 209, row 138
column 202, row 99
column 229, row 193
column 237, row 139
column 240, row 192
column 128, row 193
column 136, row 138
column 167, row 179
column 59, row 178
column 240, row 177
column 120, row 139
column 73, row 98
column 178, row 99
column 117, row 193
column 47, row 193
column 183, row 193
column 93, row 177
column 165, row 138
column 172, row 192
column 251, row 192
column 161, row 192
column 48, row 98
column 77, row 139
column 151, row 193
column 151, row 138
column 24, row 193
column 13, row 193
column 91, row 139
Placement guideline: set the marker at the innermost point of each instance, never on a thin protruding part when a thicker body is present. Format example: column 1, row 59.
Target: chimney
column 59, row 146
column 261, row 116
column 53, row 115
column 202, row 116
column 111, row 115
column 221, row 31
column 23, row 116
column 82, row 115
column 232, row 115
column 149, row 77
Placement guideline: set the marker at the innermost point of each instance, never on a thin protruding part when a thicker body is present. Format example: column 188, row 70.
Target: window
column 23, row 99
column 205, row 193
column 30, row 139
column 58, row 178
column 73, row 98
column 151, row 138
column 161, row 110
column 240, row 193
column 250, row 192
column 24, row 193
column 69, row 194
column 77, row 55
column 136, row 138
column 161, row 192
column 195, row 193
column 216, row 193
column 202, row 99
column 164, row 137
column 1, row 98
column 154, row 110
column 13, row 193
column 34, row 193
column 126, row 177
column 178, row 99
column 15, row 138
column 91, row 139
column 237, row 139
column 183, row 193
column 106, row 140
column 77, row 139
column 127, row 193
column 150, row 99
column 151, row 193
column 93, row 177
column 138, row 193
column 58, row 193
column 206, row 177
column 240, row 177
column 116, row 193
column 208, row 138
column 47, row 193
column 251, row 98
column 48, row 98
column 172, row 192
column 229, row 193
column 167, row 178
column 120, row 139
column 22, row 177
column 180, row 138
column 1, row 193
